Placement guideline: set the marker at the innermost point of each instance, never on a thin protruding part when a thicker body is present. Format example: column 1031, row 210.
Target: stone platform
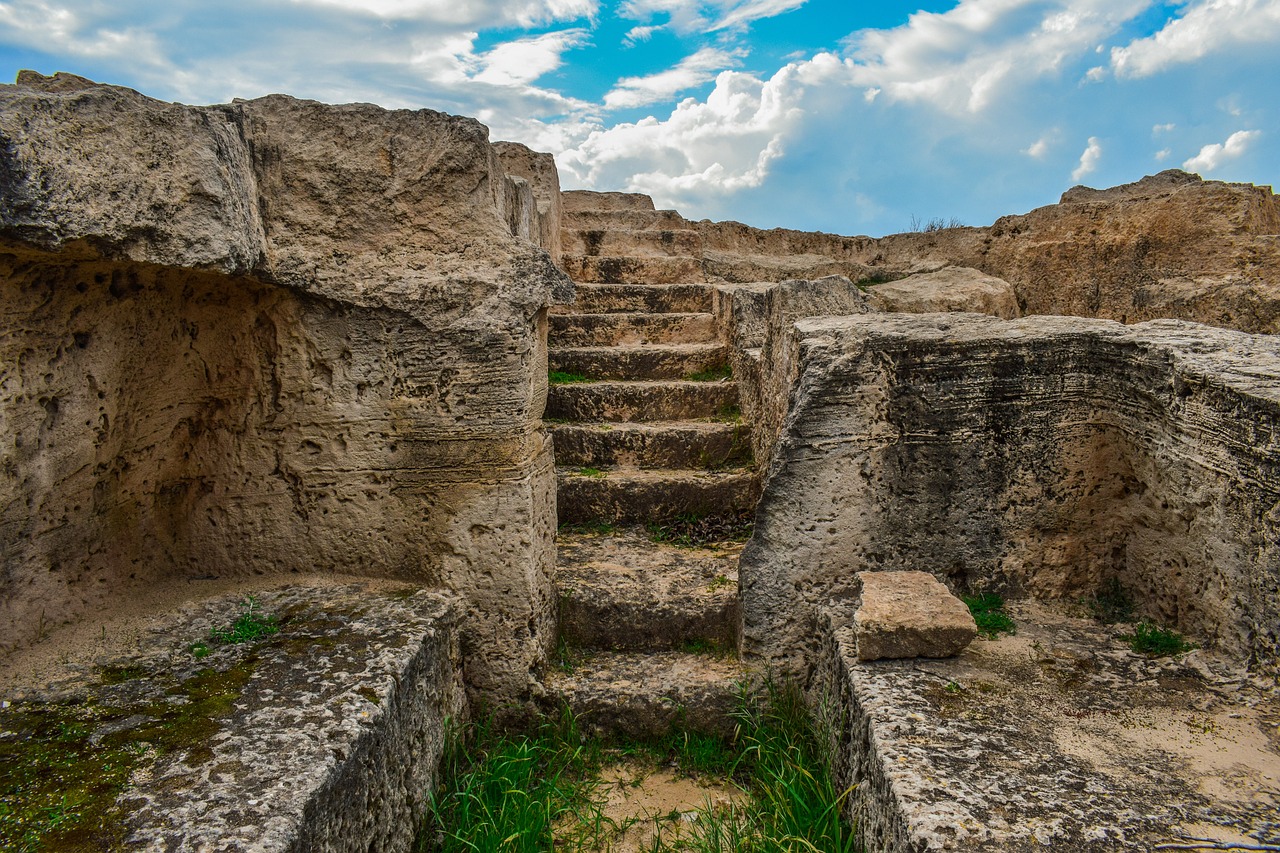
column 325, row 735
column 1057, row 738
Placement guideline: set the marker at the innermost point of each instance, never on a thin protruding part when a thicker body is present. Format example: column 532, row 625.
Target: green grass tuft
column 561, row 377
column 1156, row 642
column 989, row 614
column 593, row 473
column 250, row 625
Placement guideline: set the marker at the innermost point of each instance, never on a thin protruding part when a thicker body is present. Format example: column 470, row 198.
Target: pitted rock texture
column 909, row 615
column 271, row 336
column 1059, row 737
column 1045, row 456
column 331, row 741
column 949, row 289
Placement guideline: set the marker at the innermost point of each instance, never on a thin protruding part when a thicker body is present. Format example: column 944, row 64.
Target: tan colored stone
column 273, row 336
column 949, row 289
column 909, row 615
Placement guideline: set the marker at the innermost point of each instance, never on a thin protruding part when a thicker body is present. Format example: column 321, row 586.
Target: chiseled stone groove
column 1044, row 456
column 652, row 361
column 648, row 298
column 653, row 495
column 626, row 329
column 680, row 444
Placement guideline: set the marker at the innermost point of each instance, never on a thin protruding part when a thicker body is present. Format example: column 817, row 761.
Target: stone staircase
column 647, row 433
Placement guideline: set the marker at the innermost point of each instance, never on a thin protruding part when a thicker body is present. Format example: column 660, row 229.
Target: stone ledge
column 325, row 736
column 1059, row 737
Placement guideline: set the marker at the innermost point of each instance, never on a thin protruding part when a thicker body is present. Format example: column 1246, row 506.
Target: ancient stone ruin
column 280, row 357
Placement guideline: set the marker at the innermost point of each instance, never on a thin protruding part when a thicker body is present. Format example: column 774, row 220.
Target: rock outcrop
column 1042, row 457
column 270, row 337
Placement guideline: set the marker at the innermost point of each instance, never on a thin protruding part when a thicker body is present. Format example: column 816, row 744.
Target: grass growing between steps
column 560, row 377
column 510, row 793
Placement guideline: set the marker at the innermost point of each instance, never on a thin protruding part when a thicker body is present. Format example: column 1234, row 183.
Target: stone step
column 649, row 361
column 642, row 401
column 632, row 270
column 679, row 444
column 621, row 220
column 617, row 329
column 622, row 591
column 643, row 298
column 648, row 695
column 575, row 200
column 630, row 495
column 619, row 242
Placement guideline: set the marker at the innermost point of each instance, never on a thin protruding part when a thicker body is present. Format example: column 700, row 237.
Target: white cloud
column 1207, row 26
column 471, row 13
column 716, row 147
column 525, row 60
column 1214, row 155
column 1164, row 154
column 635, row 35
column 1038, row 148
column 694, row 70
column 705, row 16
column 1096, row 74
column 869, row 95
column 963, row 59
column 1089, row 159
column 60, row 29
column 1163, row 128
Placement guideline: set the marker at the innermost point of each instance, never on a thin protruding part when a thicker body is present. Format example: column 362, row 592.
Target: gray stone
column 908, row 615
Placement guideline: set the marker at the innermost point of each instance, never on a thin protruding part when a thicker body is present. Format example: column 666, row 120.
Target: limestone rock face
column 948, row 289
column 909, row 615
column 269, row 337
column 1170, row 245
column 1044, row 457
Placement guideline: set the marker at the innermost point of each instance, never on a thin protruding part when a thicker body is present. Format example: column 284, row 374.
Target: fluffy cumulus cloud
column 701, row 67
column 965, row 58
column 1205, row 27
column 1089, row 159
column 525, row 60
column 1212, row 156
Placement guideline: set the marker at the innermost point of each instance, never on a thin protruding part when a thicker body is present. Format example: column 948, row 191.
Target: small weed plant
column 250, row 625
column 1156, row 642
column 593, row 473
column 989, row 615
column 563, row 377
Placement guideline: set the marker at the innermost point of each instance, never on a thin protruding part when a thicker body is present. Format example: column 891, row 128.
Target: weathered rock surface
column 909, row 615
column 948, row 289
column 1057, row 738
column 271, row 336
column 1044, row 456
column 325, row 736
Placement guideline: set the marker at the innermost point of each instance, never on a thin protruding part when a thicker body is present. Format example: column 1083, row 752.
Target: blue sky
column 833, row 115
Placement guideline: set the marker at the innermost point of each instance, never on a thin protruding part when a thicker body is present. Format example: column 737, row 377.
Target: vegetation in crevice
column 989, row 615
column 511, row 793
column 1156, row 642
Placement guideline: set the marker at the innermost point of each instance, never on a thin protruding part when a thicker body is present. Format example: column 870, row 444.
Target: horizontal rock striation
column 271, row 336
column 1044, row 456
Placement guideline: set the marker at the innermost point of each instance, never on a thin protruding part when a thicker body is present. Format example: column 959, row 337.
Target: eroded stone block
column 909, row 615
